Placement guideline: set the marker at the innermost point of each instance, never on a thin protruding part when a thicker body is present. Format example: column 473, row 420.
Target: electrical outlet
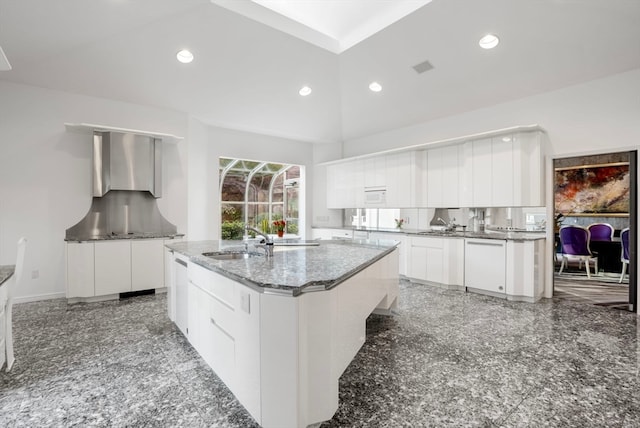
column 35, row 274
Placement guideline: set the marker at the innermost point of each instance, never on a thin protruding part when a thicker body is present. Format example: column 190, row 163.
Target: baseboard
column 39, row 297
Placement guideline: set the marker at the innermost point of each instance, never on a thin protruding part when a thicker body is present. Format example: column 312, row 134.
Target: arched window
column 258, row 193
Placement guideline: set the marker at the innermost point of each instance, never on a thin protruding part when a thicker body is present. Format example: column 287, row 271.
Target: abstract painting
column 593, row 190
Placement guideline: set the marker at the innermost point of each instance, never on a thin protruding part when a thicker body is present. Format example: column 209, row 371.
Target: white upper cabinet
column 403, row 179
column 528, row 164
column 375, row 171
column 443, row 177
column 481, row 172
column 502, row 172
column 505, row 170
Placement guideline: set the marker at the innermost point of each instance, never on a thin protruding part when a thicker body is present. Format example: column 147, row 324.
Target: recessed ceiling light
column 489, row 41
column 375, row 87
column 184, row 56
column 304, row 91
column 506, row 139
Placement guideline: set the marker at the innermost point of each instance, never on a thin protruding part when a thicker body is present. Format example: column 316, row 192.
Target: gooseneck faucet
column 268, row 242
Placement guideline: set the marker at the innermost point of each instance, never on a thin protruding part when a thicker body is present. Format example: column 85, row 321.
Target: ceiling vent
column 422, row 67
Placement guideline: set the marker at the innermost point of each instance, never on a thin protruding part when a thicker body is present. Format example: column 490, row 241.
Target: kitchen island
column 280, row 331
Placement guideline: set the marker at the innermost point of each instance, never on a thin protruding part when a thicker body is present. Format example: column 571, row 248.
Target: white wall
column 45, row 174
column 208, row 144
column 596, row 115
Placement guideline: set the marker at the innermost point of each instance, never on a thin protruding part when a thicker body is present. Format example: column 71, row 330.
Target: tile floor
column 448, row 359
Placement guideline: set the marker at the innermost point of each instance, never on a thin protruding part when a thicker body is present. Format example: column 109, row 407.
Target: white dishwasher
column 485, row 263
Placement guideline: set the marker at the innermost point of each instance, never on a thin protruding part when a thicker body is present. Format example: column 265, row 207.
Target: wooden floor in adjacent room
column 602, row 289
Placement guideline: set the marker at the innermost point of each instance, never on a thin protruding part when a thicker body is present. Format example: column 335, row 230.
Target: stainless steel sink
column 231, row 255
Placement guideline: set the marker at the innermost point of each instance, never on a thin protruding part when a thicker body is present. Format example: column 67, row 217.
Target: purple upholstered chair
column 624, row 256
column 575, row 245
column 601, row 231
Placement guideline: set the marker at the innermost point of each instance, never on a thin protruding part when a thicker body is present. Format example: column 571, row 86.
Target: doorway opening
column 595, row 212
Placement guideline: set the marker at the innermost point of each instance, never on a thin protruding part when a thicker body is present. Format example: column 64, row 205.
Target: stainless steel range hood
column 123, row 161
column 127, row 179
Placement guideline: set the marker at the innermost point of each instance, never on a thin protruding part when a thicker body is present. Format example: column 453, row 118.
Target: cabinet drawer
column 427, row 242
column 222, row 315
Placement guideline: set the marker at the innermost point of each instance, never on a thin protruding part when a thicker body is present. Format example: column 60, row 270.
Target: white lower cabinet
column 80, row 270
column 106, row 268
column 147, row 264
column 485, row 265
column 113, row 267
column 224, row 327
column 435, row 259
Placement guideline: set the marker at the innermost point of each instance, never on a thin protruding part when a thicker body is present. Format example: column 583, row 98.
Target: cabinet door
column 434, row 178
column 80, row 269
column 147, row 264
column 434, row 262
column 375, row 171
column 399, row 180
column 450, row 166
column 481, row 172
column 502, row 172
column 181, row 283
column 113, row 267
column 528, row 177
column 417, row 263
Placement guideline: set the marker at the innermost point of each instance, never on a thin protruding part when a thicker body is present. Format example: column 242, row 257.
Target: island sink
column 231, row 255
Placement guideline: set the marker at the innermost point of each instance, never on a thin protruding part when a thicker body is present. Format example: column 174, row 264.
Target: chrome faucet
column 268, row 242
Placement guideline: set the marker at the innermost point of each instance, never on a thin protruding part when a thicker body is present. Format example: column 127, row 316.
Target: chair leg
column 624, row 270
column 562, row 264
column 586, row 265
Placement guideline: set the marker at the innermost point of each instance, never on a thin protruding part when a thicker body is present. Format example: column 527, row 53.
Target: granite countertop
column 6, row 272
column 293, row 269
column 508, row 235
column 115, row 236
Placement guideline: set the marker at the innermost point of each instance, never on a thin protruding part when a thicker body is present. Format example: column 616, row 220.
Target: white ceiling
column 335, row 25
column 246, row 75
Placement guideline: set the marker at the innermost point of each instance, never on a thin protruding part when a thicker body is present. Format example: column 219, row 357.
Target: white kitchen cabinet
column 147, row 264
column 482, row 175
column 436, row 259
column 525, row 270
column 179, row 289
column 80, row 270
column 502, row 172
column 102, row 269
column 224, row 327
column 443, row 177
column 485, row 265
column 528, row 166
column 375, row 171
column 426, row 261
column 401, row 187
column 112, row 267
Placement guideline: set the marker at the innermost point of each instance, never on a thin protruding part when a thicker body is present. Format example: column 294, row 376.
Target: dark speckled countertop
column 5, row 273
column 293, row 269
column 114, row 236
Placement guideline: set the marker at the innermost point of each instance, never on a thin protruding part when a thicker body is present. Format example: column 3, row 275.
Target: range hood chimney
column 123, row 161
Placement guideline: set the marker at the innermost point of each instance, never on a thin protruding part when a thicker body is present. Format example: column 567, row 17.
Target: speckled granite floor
column 448, row 359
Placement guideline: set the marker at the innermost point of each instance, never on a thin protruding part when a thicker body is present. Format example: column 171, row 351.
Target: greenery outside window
column 257, row 194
